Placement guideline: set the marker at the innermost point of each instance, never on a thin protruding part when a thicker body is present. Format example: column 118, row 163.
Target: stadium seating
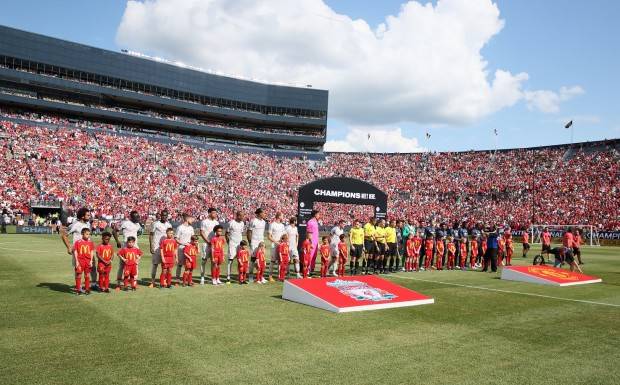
column 114, row 174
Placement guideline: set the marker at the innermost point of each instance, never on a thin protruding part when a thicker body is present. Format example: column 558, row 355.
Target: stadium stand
column 54, row 158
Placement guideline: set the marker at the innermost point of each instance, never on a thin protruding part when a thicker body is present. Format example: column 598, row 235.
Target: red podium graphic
column 546, row 275
column 346, row 294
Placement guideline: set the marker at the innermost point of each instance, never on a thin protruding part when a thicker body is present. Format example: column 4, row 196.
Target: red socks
column 78, row 282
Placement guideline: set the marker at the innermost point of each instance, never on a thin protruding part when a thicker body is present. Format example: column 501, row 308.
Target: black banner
column 338, row 190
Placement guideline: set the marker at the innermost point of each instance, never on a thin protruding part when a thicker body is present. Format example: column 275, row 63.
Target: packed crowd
column 114, row 174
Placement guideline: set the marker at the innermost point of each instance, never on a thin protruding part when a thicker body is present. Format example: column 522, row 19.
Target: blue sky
column 558, row 43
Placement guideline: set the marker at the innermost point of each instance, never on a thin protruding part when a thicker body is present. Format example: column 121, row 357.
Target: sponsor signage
column 546, row 275
column 344, row 194
column 347, row 294
column 33, row 230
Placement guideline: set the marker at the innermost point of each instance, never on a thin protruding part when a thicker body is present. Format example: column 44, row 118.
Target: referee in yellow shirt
column 392, row 251
column 370, row 248
column 356, row 240
column 381, row 247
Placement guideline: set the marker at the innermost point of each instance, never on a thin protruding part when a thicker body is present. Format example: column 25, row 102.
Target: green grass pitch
column 249, row 335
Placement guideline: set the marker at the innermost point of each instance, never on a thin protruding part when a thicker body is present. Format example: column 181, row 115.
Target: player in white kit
column 183, row 235
column 130, row 228
column 234, row 235
column 158, row 232
column 75, row 230
column 276, row 230
column 206, row 232
column 256, row 235
column 293, row 243
column 335, row 234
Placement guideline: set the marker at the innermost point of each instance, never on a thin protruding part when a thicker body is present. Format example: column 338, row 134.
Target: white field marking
column 509, row 291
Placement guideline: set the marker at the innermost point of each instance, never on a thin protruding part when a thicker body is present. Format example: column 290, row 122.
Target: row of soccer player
column 379, row 247
column 519, row 186
column 86, row 256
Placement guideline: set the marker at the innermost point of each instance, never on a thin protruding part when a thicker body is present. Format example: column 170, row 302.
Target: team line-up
column 377, row 247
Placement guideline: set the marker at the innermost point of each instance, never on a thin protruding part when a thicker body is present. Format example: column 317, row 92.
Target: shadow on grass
column 59, row 287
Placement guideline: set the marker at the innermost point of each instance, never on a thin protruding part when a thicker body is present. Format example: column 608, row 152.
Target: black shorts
column 370, row 247
column 381, row 248
column 357, row 251
column 392, row 252
column 546, row 247
column 576, row 250
column 526, row 246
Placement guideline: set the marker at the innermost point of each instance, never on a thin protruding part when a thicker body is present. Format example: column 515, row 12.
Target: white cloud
column 374, row 139
column 549, row 101
column 422, row 65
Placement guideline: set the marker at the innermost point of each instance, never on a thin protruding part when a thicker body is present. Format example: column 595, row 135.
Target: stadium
column 115, row 148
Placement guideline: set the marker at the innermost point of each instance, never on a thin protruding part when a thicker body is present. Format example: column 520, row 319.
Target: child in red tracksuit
column 217, row 253
column 451, row 254
column 284, row 256
column 105, row 254
column 83, row 251
column 260, row 263
column 409, row 252
column 473, row 248
column 243, row 258
column 483, row 247
column 168, row 247
column 306, row 254
column 325, row 254
column 440, row 248
column 428, row 252
column 509, row 250
column 130, row 255
column 190, row 252
column 501, row 246
column 463, row 254
column 343, row 255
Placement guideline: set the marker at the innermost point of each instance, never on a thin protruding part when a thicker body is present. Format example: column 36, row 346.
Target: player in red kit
column 545, row 236
column 284, row 256
column 243, row 258
column 417, row 243
column 325, row 253
column 510, row 249
column 83, row 252
column 439, row 251
column 130, row 255
column 217, row 253
column 483, row 247
column 526, row 243
column 260, row 263
column 105, row 254
column 343, row 255
column 306, row 254
column 451, row 254
column 473, row 249
column 501, row 250
column 428, row 252
column 191, row 254
column 409, row 253
column 168, row 248
column 463, row 254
